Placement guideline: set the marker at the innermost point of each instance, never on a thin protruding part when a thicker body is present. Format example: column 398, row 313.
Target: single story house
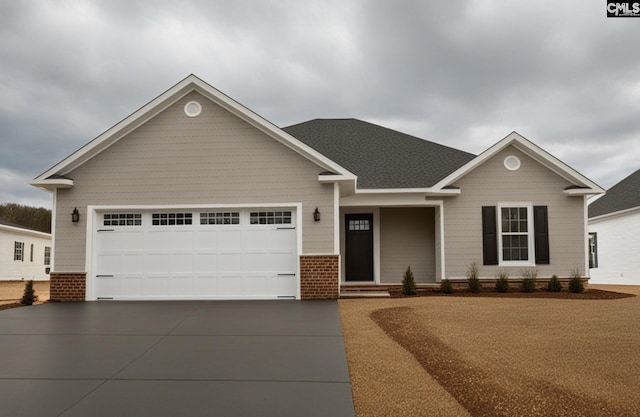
column 614, row 221
column 25, row 254
column 195, row 196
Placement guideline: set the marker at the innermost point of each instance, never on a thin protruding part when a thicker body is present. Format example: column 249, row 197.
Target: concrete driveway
column 174, row 358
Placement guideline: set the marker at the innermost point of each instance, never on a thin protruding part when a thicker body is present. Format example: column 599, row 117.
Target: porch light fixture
column 316, row 215
column 75, row 216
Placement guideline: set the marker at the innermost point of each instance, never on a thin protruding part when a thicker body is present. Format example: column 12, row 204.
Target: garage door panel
column 155, row 285
column 158, row 262
column 158, row 240
column 131, row 286
column 281, row 262
column 229, row 239
column 255, row 262
column 256, row 239
column 282, row 239
column 182, row 263
column 230, row 286
column 230, row 262
column 194, row 261
column 109, row 264
column 205, row 239
column 206, row 262
column 132, row 263
column 182, row 240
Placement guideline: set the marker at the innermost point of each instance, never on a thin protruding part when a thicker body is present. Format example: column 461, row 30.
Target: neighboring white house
column 614, row 242
column 24, row 253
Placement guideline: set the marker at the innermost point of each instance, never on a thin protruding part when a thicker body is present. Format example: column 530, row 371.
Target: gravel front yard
column 485, row 356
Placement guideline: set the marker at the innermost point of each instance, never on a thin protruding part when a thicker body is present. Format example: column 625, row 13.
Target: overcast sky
column 460, row 73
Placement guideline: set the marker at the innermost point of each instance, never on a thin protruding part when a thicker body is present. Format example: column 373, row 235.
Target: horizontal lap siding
column 407, row 238
column 491, row 184
column 618, row 248
column 215, row 158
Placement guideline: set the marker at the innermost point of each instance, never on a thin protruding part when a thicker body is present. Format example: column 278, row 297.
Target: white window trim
column 530, row 234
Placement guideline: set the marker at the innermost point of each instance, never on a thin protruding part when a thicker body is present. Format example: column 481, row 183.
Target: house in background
column 24, row 253
column 194, row 196
column 614, row 222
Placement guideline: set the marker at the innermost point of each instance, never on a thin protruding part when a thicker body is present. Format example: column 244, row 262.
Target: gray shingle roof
column 622, row 196
column 380, row 157
column 8, row 223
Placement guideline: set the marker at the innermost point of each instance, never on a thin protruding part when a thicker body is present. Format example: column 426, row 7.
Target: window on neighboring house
column 18, row 251
column 31, row 256
column 47, row 255
column 593, row 250
column 515, row 235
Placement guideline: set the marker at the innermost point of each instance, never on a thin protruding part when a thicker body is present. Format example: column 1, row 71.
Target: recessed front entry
column 359, row 247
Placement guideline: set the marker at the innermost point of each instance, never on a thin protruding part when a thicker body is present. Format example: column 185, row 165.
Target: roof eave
column 52, row 184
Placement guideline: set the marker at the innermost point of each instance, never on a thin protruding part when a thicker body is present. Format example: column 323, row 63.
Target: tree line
column 38, row 218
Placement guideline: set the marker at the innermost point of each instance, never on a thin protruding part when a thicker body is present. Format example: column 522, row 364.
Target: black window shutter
column 541, row 238
column 489, row 236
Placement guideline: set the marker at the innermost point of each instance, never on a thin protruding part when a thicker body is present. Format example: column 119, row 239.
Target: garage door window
column 232, row 217
column 270, row 217
column 122, row 219
column 171, row 219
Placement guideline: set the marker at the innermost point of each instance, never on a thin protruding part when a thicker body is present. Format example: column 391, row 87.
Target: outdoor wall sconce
column 75, row 216
column 316, row 215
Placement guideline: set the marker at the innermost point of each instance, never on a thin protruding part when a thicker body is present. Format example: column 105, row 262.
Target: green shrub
column 554, row 284
column 446, row 287
column 502, row 282
column 408, row 283
column 575, row 283
column 529, row 277
column 472, row 278
column 29, row 295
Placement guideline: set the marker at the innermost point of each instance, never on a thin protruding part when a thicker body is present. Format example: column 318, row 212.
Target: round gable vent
column 192, row 109
column 512, row 163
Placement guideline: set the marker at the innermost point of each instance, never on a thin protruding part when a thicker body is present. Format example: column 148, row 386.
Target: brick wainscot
column 319, row 277
column 68, row 286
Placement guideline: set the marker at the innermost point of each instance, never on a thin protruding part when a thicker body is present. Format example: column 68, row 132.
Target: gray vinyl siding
column 490, row 184
column 172, row 159
column 407, row 238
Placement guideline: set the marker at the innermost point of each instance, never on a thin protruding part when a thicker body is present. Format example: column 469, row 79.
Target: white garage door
column 196, row 254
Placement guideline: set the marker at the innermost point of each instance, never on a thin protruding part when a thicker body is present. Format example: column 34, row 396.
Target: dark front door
column 359, row 247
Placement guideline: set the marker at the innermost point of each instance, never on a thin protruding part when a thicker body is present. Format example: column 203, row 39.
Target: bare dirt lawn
column 11, row 292
column 494, row 356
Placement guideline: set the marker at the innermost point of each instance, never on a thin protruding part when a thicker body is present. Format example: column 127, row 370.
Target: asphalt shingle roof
column 380, row 157
column 8, row 223
column 622, row 196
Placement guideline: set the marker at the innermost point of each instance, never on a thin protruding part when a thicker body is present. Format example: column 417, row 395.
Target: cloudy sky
column 461, row 73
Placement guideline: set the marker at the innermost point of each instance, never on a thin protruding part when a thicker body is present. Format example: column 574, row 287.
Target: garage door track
column 174, row 358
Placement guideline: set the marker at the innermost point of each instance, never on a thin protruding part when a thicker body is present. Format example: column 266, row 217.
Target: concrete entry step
column 364, row 294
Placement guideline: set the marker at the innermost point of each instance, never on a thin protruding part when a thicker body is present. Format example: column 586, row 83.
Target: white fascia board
column 581, row 191
column 614, row 214
column 26, row 232
column 388, row 200
column 51, row 184
column 166, row 99
column 431, row 191
column 531, row 150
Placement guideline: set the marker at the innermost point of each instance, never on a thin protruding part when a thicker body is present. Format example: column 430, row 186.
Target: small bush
column 408, row 283
column 554, row 284
column 29, row 295
column 529, row 277
column 502, row 283
column 446, row 287
column 575, row 283
column 472, row 278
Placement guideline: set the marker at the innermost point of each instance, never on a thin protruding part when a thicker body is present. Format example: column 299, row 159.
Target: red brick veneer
column 68, row 286
column 319, row 277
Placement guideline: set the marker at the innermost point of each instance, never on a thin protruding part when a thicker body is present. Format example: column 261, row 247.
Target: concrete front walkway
column 202, row 358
